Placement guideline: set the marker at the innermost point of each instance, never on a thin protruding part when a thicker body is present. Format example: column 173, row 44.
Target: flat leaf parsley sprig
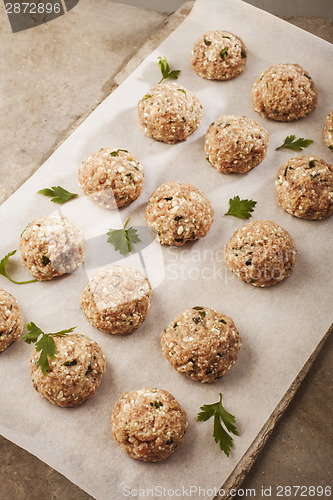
column 165, row 70
column 58, row 194
column 295, row 145
column 123, row 239
column 240, row 208
column 220, row 434
column 44, row 343
column 3, row 271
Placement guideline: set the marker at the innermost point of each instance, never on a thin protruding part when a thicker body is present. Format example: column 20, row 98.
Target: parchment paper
column 280, row 326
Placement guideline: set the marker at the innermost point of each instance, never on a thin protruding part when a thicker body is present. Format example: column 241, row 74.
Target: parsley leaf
column 116, row 153
column 123, row 239
column 220, row 435
column 240, row 208
column 297, row 145
column 224, row 53
column 165, row 70
column 3, row 272
column 44, row 343
column 58, row 194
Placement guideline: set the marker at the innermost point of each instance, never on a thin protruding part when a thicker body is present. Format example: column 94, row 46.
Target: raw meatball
column 11, row 320
column 261, row 253
column 169, row 113
column 179, row 212
column 52, row 246
column 304, row 187
column 116, row 299
column 328, row 131
column 284, row 92
column 201, row 343
column 111, row 178
column 218, row 55
column 235, row 144
column 148, row 424
column 75, row 372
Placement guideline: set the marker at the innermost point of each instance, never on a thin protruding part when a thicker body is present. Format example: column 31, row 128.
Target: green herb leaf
column 240, row 208
column 123, row 239
column 295, row 145
column 3, row 272
column 45, row 260
column 116, row 153
column 220, row 435
column 224, row 53
column 58, row 194
column 44, row 344
column 73, row 362
column 165, row 70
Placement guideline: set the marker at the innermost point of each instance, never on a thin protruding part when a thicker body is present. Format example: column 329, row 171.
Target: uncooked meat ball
column 75, row 372
column 179, row 212
column 284, row 92
column 304, row 187
column 219, row 55
column 148, row 424
column 116, row 299
column 201, row 343
column 111, row 178
column 261, row 253
column 52, row 246
column 328, row 131
column 169, row 113
column 11, row 320
column 235, row 144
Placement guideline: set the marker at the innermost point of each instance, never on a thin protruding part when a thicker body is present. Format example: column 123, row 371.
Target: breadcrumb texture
column 116, row 299
column 75, row 373
column 304, row 187
column 11, row 320
column 235, row 144
column 261, row 253
column 201, row 343
column 148, row 424
column 52, row 246
column 328, row 131
column 218, row 55
column 179, row 212
column 284, row 92
column 169, row 113
column 111, row 178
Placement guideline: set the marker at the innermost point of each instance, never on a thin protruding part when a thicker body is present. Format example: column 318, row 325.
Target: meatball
column 328, row 131
column 284, row 92
column 235, row 144
column 52, row 246
column 261, row 253
column 179, row 212
column 304, row 187
column 116, row 299
column 148, row 424
column 218, row 55
column 201, row 343
column 169, row 113
column 75, row 372
column 11, row 320
column 111, row 178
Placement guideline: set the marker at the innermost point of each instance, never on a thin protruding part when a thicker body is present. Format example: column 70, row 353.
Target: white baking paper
column 280, row 326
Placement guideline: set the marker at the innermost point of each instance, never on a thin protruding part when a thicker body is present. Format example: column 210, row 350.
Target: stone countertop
column 56, row 74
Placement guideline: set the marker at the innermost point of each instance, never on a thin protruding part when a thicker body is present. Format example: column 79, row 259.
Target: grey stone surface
column 55, row 75
column 58, row 72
